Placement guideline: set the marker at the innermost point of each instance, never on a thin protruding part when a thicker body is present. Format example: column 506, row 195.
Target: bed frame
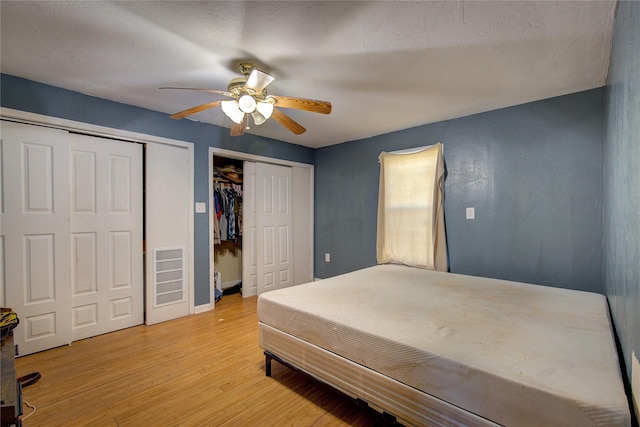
column 396, row 402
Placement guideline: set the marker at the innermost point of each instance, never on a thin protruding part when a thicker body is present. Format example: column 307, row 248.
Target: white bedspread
column 514, row 353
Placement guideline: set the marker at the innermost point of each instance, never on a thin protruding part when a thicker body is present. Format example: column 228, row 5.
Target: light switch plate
column 471, row 213
column 201, row 207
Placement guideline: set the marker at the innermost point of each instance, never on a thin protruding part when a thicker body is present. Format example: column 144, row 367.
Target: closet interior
column 227, row 225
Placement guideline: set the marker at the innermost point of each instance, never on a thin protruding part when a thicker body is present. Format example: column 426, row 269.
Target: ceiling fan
column 250, row 98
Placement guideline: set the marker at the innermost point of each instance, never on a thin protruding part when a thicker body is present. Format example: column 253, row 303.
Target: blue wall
column 533, row 173
column 622, row 181
column 26, row 95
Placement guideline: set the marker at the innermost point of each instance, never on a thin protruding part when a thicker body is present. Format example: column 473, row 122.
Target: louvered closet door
column 35, row 234
column 106, row 235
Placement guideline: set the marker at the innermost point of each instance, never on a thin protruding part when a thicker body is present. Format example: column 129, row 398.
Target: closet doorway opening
column 272, row 244
column 227, row 221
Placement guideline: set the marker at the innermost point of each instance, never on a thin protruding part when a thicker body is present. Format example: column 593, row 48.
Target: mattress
column 512, row 353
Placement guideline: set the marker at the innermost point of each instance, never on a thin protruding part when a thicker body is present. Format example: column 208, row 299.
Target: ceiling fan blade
column 258, row 80
column 221, row 92
column 312, row 105
column 195, row 110
column 287, row 122
column 237, row 129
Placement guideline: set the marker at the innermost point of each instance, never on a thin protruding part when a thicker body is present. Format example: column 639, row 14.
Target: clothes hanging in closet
column 228, row 206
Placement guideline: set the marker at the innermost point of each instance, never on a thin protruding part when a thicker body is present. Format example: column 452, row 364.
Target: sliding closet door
column 71, row 234
column 277, row 227
column 274, row 225
column 249, row 248
column 106, row 235
column 167, row 232
column 35, row 231
column 302, row 225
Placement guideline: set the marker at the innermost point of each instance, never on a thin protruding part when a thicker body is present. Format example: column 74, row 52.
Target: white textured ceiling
column 384, row 66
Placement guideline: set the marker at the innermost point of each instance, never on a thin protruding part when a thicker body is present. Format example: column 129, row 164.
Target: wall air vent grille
column 168, row 276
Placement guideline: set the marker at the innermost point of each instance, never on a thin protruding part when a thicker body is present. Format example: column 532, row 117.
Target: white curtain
column 410, row 209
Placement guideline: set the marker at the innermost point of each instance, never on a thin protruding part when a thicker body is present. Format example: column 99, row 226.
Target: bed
column 434, row 348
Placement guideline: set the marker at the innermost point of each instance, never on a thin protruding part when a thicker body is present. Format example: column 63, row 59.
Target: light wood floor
column 201, row 370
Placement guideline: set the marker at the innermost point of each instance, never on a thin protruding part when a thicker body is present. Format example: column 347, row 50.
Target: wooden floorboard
column 200, row 370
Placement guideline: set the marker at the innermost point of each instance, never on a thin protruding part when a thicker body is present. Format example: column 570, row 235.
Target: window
column 410, row 209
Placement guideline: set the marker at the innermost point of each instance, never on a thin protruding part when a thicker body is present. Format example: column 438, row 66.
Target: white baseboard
column 202, row 308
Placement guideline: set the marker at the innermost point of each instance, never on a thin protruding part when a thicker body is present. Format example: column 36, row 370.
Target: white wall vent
column 168, row 276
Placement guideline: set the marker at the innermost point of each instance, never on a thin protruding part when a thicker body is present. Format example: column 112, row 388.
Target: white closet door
column 167, row 232
column 303, row 225
column 274, row 223
column 249, row 248
column 36, row 229
column 106, row 235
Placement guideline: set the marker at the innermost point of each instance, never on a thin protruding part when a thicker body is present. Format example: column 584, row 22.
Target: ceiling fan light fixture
column 258, row 118
column 258, row 80
column 265, row 108
column 247, row 103
column 232, row 110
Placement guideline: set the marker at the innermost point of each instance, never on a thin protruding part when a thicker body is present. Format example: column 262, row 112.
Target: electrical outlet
column 635, row 383
column 327, row 257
